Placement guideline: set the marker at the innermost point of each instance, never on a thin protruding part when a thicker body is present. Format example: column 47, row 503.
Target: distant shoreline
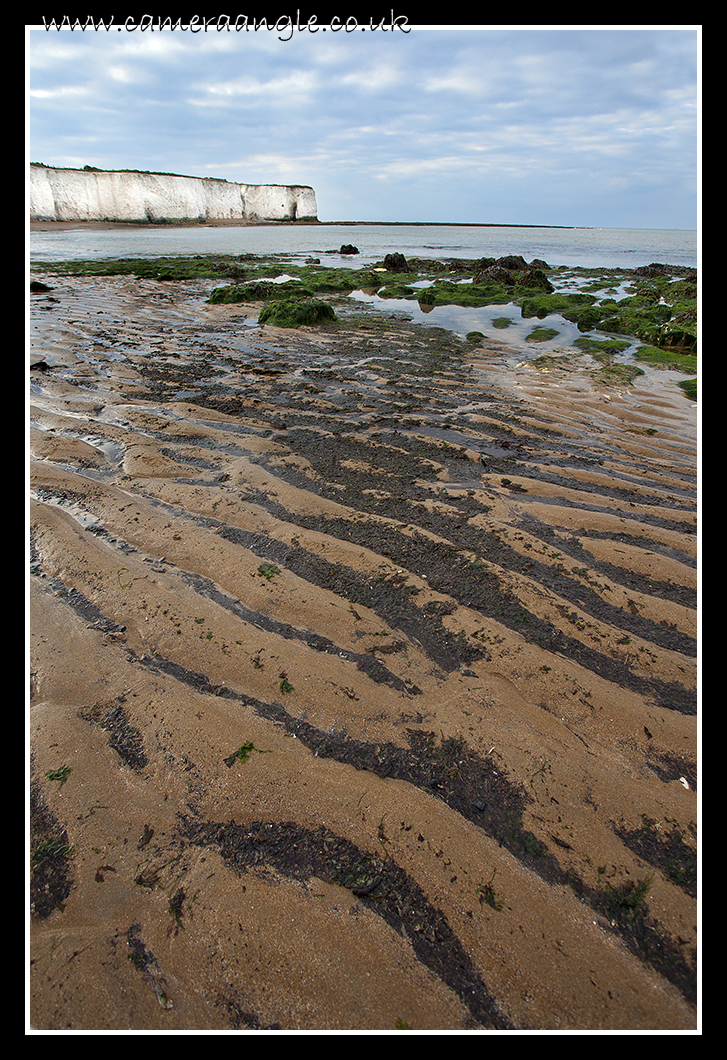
column 448, row 224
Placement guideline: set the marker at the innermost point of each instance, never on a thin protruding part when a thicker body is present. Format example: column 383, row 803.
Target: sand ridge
column 363, row 689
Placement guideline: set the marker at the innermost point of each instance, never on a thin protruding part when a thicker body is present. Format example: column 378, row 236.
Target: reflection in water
column 464, row 319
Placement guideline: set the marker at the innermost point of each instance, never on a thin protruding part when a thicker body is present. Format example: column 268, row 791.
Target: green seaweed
column 613, row 374
column 542, row 334
column 661, row 358
column 258, row 291
column 397, row 290
column 58, row 847
column 689, row 386
column 242, row 754
column 445, row 292
column 542, row 305
column 61, row 774
column 293, row 313
column 487, row 895
column 589, row 345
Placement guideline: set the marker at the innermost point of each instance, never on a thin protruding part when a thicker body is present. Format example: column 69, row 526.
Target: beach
column 363, row 676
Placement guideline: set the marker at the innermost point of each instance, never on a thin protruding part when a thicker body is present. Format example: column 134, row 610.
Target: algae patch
column 291, row 313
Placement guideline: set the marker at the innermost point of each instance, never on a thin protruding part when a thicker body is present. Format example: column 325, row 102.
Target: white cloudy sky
column 545, row 125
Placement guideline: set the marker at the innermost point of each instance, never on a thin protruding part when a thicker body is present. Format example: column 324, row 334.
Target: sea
column 587, row 247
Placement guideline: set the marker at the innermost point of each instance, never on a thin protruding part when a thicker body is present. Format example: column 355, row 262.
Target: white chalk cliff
column 108, row 195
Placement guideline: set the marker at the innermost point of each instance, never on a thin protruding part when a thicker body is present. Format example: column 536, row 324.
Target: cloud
column 63, row 92
column 551, row 126
column 294, row 87
column 381, row 76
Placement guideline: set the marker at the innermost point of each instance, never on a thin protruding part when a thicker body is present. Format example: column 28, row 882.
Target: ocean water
column 587, row 247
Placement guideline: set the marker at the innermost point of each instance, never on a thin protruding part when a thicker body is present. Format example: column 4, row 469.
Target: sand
column 363, row 678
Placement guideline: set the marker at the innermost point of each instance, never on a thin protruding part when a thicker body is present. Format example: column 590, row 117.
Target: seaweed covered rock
column 396, row 263
column 257, row 291
column 494, row 274
column 513, row 262
column 655, row 269
column 535, row 279
column 578, row 308
column 475, row 294
column 294, row 312
column 249, row 292
column 396, row 290
column 585, row 317
column 430, row 265
column 670, row 335
column 348, row 248
column 544, row 304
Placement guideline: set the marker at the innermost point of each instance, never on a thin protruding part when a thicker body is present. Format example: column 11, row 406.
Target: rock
column 291, row 313
column 655, row 269
column 494, row 274
column 396, row 263
column 37, row 287
column 514, row 262
column 535, row 278
column 674, row 336
column 348, row 248
column 513, row 269
column 255, row 291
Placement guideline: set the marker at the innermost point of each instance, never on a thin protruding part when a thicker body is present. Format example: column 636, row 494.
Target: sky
column 586, row 126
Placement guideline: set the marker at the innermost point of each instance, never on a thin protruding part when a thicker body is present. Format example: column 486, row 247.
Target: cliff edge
column 126, row 195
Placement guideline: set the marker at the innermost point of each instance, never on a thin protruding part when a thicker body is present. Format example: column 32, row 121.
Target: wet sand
column 363, row 678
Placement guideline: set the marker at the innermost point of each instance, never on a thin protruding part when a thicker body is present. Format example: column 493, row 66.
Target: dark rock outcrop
column 396, row 263
column 494, row 274
column 513, row 262
column 535, row 278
